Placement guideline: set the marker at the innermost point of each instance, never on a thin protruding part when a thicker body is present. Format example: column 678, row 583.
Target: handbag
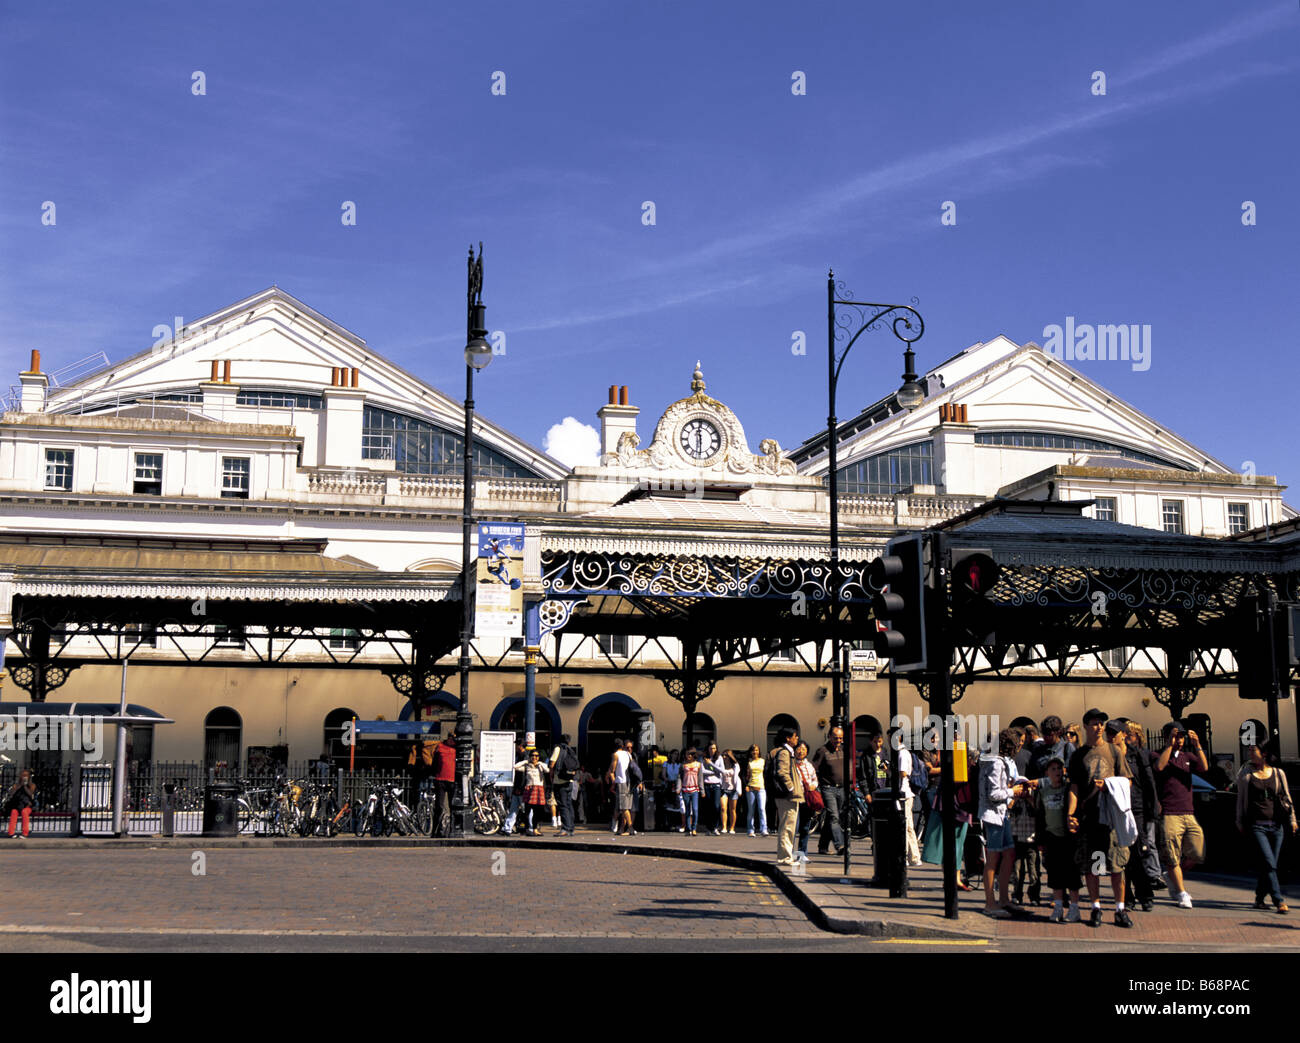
column 813, row 798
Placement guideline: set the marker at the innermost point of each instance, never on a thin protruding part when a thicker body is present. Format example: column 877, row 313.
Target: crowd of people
column 1045, row 812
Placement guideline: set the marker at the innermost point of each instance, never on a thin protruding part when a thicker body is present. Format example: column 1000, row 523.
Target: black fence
column 77, row 799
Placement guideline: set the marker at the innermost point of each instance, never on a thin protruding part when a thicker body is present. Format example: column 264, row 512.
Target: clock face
column 700, row 439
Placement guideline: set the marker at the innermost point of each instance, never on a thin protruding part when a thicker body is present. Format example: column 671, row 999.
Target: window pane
column 58, row 469
column 234, row 477
column 891, row 472
column 1172, row 515
column 1238, row 517
column 1105, row 509
column 419, row 447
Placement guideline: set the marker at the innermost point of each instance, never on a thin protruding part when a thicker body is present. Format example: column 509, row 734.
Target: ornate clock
column 700, row 439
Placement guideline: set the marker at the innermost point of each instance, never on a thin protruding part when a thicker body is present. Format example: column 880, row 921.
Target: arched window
column 419, row 447
column 701, row 731
column 222, row 728
column 336, row 721
column 890, row 472
column 865, row 727
column 778, row 722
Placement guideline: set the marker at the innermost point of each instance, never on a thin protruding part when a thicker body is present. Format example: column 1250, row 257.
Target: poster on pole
column 496, row 755
column 499, row 595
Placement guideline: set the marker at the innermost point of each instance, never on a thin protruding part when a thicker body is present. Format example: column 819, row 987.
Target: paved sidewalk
column 1223, row 913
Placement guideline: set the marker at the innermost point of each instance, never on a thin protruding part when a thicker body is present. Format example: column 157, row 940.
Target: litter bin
column 886, row 837
column 220, row 810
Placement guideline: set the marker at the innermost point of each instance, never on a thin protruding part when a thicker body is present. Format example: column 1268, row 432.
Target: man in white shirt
column 909, row 798
column 620, row 777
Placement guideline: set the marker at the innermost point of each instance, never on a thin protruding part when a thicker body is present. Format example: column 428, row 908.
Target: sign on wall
column 499, row 597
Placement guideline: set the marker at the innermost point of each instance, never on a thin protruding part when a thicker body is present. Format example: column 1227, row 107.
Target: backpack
column 920, row 776
column 566, row 765
column 771, row 781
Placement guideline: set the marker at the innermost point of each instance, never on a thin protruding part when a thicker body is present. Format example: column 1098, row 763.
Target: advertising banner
column 499, row 598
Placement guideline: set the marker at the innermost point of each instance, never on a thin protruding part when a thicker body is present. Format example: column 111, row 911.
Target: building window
column 148, row 474
column 1046, row 440
column 702, row 731
column 140, row 635
column 613, row 645
column 774, row 726
column 1113, row 658
column 1104, row 509
column 279, row 399
column 58, row 469
column 418, row 447
column 227, row 636
column 1171, row 515
column 342, row 639
column 234, row 477
column 1238, row 517
column 887, row 473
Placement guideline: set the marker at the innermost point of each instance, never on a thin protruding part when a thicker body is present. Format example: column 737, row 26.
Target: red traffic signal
column 974, row 573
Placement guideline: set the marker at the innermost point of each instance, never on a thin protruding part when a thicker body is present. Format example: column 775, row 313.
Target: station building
column 268, row 454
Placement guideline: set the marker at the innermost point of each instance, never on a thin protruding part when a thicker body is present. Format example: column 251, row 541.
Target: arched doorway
column 336, row 721
column 774, row 726
column 866, row 726
column 604, row 719
column 222, row 729
column 508, row 716
column 702, row 731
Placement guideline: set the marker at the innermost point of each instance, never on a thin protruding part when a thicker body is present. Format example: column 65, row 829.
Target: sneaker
column 1122, row 918
column 766, row 833
column 1073, row 915
column 997, row 913
column 1094, row 920
column 1058, row 914
column 751, row 832
column 1184, row 900
column 1260, row 903
column 614, row 831
column 1282, row 907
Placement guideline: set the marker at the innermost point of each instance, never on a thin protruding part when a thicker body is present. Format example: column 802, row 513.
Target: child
column 1055, row 841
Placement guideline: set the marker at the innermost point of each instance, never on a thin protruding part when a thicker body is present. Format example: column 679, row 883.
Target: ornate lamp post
column 847, row 327
column 478, row 353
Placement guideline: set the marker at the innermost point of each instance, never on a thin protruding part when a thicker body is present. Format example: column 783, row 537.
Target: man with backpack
column 564, row 769
column 785, row 782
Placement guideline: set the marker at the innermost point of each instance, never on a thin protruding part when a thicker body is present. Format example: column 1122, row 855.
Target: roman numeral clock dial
column 700, row 439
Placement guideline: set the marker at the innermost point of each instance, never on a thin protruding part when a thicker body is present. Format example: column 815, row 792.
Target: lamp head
column 911, row 394
column 478, row 353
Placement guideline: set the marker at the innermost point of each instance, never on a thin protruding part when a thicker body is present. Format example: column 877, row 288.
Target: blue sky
column 1122, row 208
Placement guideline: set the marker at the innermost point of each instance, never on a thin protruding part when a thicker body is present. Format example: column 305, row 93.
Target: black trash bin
column 886, row 836
column 221, row 810
column 169, row 809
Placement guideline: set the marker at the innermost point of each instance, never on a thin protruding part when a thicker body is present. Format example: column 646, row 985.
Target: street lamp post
column 848, row 326
column 478, row 353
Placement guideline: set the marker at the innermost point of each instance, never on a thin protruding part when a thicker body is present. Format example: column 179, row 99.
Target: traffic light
column 974, row 574
column 899, row 575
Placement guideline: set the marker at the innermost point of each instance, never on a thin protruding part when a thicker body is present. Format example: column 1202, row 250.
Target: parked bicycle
column 489, row 809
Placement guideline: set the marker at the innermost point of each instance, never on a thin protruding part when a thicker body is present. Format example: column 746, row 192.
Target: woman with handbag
column 1264, row 812
column 813, row 804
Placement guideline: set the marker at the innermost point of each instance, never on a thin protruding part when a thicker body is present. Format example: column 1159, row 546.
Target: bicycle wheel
column 244, row 815
column 424, row 817
column 361, row 822
column 486, row 821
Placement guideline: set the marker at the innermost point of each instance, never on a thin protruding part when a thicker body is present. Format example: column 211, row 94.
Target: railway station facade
column 264, row 517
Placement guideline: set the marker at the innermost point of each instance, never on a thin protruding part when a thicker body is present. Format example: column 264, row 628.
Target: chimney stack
column 216, row 374
column 356, row 376
column 616, row 419
column 36, row 361
column 34, row 384
column 225, row 372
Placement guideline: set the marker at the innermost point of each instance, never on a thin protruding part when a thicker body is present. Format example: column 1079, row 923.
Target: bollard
column 169, row 809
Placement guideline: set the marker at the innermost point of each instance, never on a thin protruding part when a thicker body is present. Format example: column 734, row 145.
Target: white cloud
column 573, row 443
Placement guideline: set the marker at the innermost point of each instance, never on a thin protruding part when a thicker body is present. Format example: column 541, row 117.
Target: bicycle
column 489, row 809
column 397, row 816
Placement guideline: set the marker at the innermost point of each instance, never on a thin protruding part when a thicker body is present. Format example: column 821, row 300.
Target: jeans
column 713, row 799
column 1268, row 842
column 832, row 830
column 509, row 826
column 757, row 809
column 692, row 817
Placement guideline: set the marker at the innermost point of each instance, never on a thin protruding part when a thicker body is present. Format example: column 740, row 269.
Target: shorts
column 1058, row 856
column 1098, row 853
column 998, row 838
column 624, row 795
column 1184, row 840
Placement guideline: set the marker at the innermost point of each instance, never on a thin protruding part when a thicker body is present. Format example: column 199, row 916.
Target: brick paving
column 600, row 888
column 386, row 889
